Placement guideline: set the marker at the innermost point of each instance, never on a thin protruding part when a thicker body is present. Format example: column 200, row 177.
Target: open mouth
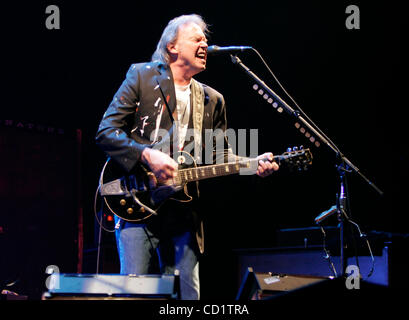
column 201, row 55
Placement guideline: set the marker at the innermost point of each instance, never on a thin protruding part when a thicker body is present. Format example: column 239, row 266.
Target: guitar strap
column 197, row 117
column 197, row 100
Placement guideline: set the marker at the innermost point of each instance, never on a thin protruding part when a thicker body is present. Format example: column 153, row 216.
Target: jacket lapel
column 167, row 88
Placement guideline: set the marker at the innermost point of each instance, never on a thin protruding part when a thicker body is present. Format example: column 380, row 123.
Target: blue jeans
column 143, row 251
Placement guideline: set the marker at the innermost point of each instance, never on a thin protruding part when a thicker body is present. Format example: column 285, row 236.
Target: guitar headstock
column 297, row 158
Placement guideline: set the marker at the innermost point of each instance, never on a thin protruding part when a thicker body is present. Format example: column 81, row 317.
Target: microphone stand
column 344, row 166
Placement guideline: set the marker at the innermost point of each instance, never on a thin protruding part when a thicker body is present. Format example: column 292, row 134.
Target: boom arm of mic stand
column 286, row 107
column 296, row 114
column 362, row 176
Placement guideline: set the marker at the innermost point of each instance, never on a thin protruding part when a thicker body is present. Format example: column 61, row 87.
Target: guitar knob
column 122, row 202
column 181, row 159
column 129, row 210
column 142, row 209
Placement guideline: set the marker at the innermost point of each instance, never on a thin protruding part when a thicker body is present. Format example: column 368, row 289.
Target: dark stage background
column 352, row 83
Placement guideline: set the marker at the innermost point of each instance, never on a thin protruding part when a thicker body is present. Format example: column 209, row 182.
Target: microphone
column 217, row 49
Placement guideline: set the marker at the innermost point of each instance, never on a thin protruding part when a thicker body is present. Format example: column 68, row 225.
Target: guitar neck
column 217, row 170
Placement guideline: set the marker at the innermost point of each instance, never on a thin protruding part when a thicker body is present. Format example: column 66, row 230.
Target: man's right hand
column 162, row 166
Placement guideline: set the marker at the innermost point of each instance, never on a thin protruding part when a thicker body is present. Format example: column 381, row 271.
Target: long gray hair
column 170, row 34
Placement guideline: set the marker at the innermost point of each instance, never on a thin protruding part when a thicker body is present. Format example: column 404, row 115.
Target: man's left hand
column 265, row 168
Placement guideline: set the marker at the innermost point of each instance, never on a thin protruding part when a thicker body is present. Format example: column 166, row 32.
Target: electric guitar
column 137, row 195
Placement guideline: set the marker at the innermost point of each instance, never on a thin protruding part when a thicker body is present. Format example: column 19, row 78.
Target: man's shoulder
column 211, row 91
column 144, row 66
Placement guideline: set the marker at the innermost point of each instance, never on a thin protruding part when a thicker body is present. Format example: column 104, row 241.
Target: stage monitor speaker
column 261, row 286
column 112, row 287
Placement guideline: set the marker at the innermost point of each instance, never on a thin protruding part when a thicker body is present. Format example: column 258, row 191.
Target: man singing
column 156, row 96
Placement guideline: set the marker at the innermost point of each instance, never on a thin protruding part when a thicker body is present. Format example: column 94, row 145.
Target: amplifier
column 112, row 286
column 261, row 286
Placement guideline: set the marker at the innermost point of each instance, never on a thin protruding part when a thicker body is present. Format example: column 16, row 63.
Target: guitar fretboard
column 217, row 170
column 200, row 173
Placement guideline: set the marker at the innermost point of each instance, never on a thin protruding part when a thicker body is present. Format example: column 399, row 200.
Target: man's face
column 191, row 48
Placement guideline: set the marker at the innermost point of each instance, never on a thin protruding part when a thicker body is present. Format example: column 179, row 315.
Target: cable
column 362, row 235
column 295, row 103
column 348, row 204
column 96, row 214
column 101, row 227
column 327, row 253
column 99, row 248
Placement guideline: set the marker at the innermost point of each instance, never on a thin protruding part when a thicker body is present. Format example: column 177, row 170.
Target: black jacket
column 129, row 124
column 138, row 110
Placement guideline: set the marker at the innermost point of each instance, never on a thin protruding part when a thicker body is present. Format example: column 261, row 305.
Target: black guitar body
column 137, row 195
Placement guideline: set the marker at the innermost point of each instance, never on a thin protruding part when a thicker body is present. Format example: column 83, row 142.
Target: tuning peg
column 289, row 149
column 301, row 147
column 295, row 148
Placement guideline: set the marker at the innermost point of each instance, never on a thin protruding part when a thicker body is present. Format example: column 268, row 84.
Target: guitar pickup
column 115, row 187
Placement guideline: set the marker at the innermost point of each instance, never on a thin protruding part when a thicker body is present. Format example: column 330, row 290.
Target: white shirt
column 182, row 112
